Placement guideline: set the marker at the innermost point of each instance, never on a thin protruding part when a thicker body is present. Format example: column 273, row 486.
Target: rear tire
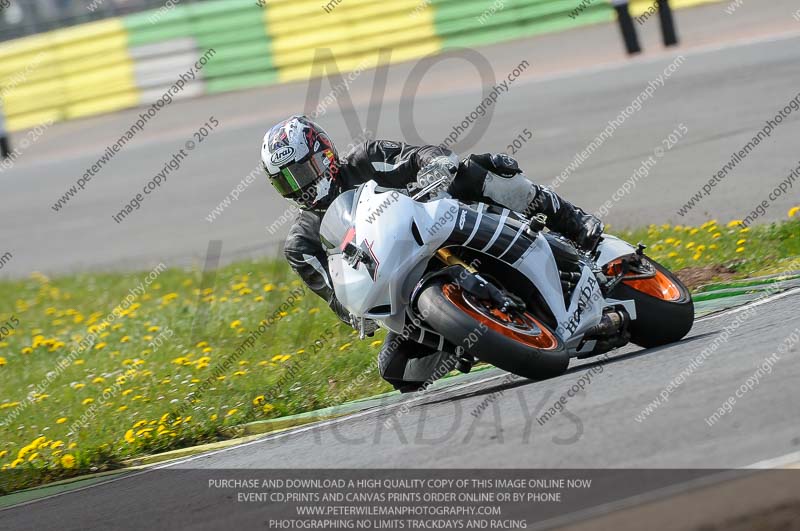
column 658, row 322
column 489, row 344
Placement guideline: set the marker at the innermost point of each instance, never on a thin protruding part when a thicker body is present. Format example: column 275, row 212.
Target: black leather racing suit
column 395, row 165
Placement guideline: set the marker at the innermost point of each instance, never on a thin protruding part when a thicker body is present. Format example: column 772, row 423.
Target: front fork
column 450, row 259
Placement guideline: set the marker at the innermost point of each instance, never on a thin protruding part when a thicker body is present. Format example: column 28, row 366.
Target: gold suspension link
column 450, row 259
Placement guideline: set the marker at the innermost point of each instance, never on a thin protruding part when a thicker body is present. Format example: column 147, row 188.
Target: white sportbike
column 488, row 284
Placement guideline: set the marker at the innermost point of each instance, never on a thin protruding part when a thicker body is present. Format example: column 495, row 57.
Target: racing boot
column 504, row 183
column 567, row 219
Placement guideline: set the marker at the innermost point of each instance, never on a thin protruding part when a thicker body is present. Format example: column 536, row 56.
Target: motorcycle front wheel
column 520, row 344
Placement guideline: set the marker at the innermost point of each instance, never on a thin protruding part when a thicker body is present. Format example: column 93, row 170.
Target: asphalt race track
column 577, row 82
column 598, row 429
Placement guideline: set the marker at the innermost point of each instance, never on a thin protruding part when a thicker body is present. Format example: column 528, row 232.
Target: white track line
column 397, row 405
column 753, row 304
column 776, row 462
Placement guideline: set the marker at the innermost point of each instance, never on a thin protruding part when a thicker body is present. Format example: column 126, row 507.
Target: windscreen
column 338, row 221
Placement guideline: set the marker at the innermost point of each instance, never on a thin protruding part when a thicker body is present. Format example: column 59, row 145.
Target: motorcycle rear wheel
column 664, row 307
column 522, row 345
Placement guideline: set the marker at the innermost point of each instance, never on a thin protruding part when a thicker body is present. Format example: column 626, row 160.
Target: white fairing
column 612, row 248
column 383, row 225
column 383, row 221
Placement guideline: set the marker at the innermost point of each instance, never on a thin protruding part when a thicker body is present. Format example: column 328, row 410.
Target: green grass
column 743, row 252
column 149, row 390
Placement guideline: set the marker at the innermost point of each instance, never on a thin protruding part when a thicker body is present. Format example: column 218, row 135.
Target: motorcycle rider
column 303, row 165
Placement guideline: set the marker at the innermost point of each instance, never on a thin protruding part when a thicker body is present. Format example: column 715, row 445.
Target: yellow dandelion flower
column 126, row 392
column 734, row 223
column 669, row 240
column 214, row 416
column 122, row 408
column 236, row 324
column 125, row 339
column 268, row 287
column 693, row 232
column 68, row 461
column 16, row 462
column 375, row 343
column 27, row 350
column 231, row 412
column 207, row 350
column 62, row 420
column 240, row 373
column 313, row 310
column 258, row 400
column 673, row 254
column 56, row 444
column 72, row 446
column 277, row 357
column 740, row 249
column 99, row 379
column 87, row 401
column 139, row 424
column 3, row 453
column 345, row 346
column 742, row 241
column 79, row 362
column 745, row 230
column 793, row 211
column 2, row 361
column 713, row 246
column 154, row 329
column 690, row 245
column 33, row 456
column 696, row 256
column 267, row 408
column 716, row 235
column 202, row 344
column 100, row 346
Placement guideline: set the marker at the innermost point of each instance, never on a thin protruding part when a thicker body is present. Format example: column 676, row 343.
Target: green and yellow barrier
column 124, row 62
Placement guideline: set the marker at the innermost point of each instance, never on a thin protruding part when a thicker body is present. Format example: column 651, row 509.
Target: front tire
column 664, row 307
column 511, row 344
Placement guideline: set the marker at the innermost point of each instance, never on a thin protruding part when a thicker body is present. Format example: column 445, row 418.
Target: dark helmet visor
column 293, row 179
column 298, row 181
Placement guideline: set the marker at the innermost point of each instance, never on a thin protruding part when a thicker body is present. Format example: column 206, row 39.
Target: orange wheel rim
column 659, row 286
column 526, row 329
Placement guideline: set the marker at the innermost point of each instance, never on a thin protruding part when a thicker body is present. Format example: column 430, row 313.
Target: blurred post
column 5, row 147
column 626, row 26
column 667, row 23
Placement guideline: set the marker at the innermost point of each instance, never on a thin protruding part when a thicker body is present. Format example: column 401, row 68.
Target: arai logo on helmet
column 283, row 155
